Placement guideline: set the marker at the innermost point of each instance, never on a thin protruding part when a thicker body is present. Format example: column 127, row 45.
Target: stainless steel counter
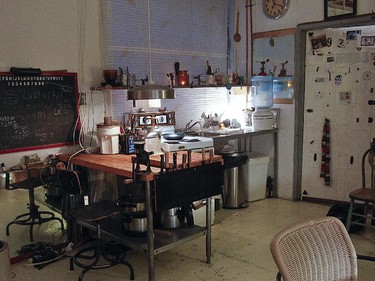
column 221, row 137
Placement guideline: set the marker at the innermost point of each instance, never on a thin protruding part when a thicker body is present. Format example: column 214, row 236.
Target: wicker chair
column 316, row 250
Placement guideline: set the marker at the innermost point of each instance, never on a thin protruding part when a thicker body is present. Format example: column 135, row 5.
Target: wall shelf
column 101, row 88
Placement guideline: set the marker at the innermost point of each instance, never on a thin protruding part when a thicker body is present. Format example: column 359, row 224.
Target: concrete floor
column 240, row 245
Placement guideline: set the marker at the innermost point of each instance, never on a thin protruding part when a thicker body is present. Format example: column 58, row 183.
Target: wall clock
column 275, row 9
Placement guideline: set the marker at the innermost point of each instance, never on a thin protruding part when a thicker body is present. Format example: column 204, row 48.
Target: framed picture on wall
column 366, row 41
column 335, row 9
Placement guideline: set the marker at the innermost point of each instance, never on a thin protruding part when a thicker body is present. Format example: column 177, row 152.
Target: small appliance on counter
column 149, row 126
column 109, row 131
column 186, row 143
column 164, row 119
column 108, row 135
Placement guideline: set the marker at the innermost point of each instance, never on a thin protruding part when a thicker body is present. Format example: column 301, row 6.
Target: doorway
column 329, row 71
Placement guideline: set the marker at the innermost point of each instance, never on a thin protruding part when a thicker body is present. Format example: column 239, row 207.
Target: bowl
column 110, row 75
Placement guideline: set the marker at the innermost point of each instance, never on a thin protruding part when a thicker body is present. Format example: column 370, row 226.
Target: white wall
column 51, row 35
column 300, row 11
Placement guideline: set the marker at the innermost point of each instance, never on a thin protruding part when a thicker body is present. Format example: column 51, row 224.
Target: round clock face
column 275, row 9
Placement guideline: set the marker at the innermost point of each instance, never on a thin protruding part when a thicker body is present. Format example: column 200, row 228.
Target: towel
column 326, row 157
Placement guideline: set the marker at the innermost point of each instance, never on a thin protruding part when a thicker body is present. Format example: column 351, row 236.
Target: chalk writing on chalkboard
column 37, row 111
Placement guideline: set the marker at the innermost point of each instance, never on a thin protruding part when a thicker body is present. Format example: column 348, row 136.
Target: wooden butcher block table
column 185, row 177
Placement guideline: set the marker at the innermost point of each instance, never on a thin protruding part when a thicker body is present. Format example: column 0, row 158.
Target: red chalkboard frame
column 78, row 126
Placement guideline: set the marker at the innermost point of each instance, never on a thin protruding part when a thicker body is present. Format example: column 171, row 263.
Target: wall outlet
column 85, row 200
column 82, row 98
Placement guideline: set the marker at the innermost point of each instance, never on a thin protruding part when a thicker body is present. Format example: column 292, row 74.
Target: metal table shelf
column 112, row 228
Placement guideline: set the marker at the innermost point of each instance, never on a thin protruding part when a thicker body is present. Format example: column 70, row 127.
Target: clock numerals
column 275, row 8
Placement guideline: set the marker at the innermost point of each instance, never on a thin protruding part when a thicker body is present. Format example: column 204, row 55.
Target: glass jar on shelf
column 183, row 78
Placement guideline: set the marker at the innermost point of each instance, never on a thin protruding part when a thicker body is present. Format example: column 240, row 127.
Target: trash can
column 257, row 172
column 235, row 179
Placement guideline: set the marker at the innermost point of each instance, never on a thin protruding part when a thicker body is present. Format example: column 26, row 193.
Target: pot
column 172, row 218
column 130, row 207
column 174, row 136
column 135, row 224
column 132, row 202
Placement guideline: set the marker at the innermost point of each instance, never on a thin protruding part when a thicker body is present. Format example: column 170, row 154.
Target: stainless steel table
column 155, row 243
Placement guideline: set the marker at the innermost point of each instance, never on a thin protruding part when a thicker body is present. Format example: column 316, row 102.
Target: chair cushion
column 27, row 184
column 364, row 194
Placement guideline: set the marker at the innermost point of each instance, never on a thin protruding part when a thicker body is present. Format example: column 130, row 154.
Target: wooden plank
column 121, row 164
column 283, row 101
column 274, row 33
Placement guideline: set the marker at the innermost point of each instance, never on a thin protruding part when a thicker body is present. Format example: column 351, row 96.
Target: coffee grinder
column 109, row 131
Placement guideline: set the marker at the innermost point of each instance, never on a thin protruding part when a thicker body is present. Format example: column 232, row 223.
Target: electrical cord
column 74, row 154
column 46, row 262
column 65, row 252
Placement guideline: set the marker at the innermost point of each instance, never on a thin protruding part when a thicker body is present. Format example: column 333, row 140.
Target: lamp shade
column 150, row 91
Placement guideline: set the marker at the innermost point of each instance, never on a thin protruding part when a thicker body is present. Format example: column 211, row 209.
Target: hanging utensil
column 162, row 163
column 184, row 160
column 237, row 36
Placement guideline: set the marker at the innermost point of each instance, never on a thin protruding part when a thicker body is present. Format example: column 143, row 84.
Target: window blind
column 189, row 32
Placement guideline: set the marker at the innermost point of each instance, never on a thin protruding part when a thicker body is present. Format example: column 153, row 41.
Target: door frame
column 299, row 85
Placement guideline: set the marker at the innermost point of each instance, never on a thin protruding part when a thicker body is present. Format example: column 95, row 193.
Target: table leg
column 150, row 233
column 275, row 165
column 208, row 227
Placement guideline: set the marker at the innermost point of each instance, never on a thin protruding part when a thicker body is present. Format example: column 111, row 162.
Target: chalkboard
column 37, row 111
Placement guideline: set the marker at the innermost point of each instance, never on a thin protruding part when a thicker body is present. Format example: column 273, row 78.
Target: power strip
column 46, row 255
